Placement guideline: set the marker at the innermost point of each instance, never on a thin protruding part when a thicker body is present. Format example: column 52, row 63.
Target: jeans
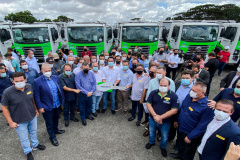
column 23, row 130
column 173, row 70
column 51, row 120
column 105, row 99
column 69, row 106
column 85, row 105
column 136, row 104
column 95, row 103
column 220, row 67
column 164, row 129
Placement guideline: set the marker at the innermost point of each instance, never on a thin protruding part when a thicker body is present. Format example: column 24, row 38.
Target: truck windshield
column 140, row 34
column 30, row 35
column 199, row 33
column 85, row 34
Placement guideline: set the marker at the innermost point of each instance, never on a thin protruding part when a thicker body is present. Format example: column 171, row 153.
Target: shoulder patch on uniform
column 220, row 137
column 29, row 92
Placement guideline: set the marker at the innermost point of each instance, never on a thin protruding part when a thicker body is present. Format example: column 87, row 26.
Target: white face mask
column 101, row 61
column 220, row 115
column 20, row 85
column 94, row 60
column 47, row 74
column 163, row 89
column 51, row 65
column 193, row 94
column 24, row 66
column 106, row 57
column 238, row 69
column 71, row 54
column 124, row 58
column 159, row 76
column 70, row 62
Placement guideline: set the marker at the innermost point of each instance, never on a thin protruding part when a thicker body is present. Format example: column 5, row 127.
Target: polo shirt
column 69, row 82
column 20, row 104
column 182, row 92
column 130, row 62
column 228, row 94
column 88, row 54
column 58, row 65
column 173, row 59
column 32, row 63
column 162, row 104
column 126, row 78
column 4, row 84
column 138, row 85
column 15, row 64
column 194, row 117
column 31, row 75
column 86, row 83
column 225, row 56
column 212, row 66
column 146, row 63
column 158, row 56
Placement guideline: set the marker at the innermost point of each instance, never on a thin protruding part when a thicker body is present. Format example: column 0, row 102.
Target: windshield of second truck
column 86, row 34
column 199, row 33
column 140, row 34
column 31, row 35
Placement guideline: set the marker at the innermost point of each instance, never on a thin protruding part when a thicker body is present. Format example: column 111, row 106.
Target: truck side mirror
column 62, row 33
column 2, row 34
column 222, row 32
column 109, row 34
column 55, row 34
column 115, row 33
column 164, row 34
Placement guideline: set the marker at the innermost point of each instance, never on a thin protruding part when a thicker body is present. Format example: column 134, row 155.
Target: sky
column 109, row 11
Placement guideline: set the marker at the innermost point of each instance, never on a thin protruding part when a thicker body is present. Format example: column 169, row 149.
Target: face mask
column 94, row 60
column 47, row 74
column 171, row 52
column 24, row 66
column 113, row 53
column 101, row 61
column 175, row 53
column 163, row 89
column 129, row 53
column 220, row 115
column 85, row 71
column 185, row 82
column 67, row 73
column 125, row 68
column 51, row 65
column 70, row 62
column 56, row 60
column 198, row 59
column 85, row 50
column 3, row 74
column 236, row 90
column 32, row 56
column 159, row 76
column 151, row 74
column 124, row 58
column 110, row 64
column 118, row 62
column 95, row 69
column 161, row 52
column 71, row 54
column 193, row 94
column 106, row 57
column 238, row 69
column 134, row 66
column 135, row 50
column 139, row 72
column 20, row 84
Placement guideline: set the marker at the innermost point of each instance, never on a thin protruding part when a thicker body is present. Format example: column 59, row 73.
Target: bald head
column 46, row 68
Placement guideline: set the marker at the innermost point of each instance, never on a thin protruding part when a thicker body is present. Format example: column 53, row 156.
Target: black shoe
column 54, row 142
column 103, row 110
column 138, row 123
column 131, row 119
column 74, row 119
column 91, row 118
column 164, row 152
column 30, row 156
column 175, row 156
column 66, row 123
column 94, row 114
column 130, row 111
column 98, row 111
column 149, row 145
column 113, row 111
column 60, row 131
column 84, row 122
column 39, row 147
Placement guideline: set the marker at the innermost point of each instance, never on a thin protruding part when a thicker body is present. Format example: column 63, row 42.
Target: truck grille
column 144, row 49
column 38, row 54
column 92, row 49
column 204, row 49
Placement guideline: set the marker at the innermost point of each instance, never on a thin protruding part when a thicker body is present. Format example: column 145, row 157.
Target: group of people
column 170, row 109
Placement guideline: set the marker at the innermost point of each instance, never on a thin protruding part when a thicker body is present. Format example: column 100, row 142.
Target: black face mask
column 139, row 72
column 129, row 53
column 134, row 66
column 161, row 52
column 118, row 62
column 85, row 71
column 175, row 53
column 198, row 59
column 56, row 60
column 151, row 74
column 85, row 50
column 113, row 53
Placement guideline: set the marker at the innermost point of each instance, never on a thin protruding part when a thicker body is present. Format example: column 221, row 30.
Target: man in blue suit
column 48, row 96
column 221, row 131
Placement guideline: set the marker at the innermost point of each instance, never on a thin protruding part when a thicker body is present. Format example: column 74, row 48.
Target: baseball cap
column 227, row 47
column 55, row 56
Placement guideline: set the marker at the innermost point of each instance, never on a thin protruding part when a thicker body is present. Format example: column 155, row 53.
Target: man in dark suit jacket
column 221, row 131
column 200, row 74
column 48, row 96
column 230, row 80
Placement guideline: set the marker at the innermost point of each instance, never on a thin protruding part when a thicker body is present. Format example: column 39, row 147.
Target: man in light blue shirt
column 126, row 77
column 134, row 55
column 145, row 60
column 173, row 61
column 15, row 56
column 32, row 61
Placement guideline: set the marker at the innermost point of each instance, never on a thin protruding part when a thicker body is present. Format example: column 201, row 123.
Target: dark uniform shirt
column 5, row 83
column 212, row 66
column 70, row 83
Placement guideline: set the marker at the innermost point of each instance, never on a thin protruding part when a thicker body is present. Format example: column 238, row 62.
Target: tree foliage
column 45, row 20
column 210, row 12
column 63, row 19
column 23, row 16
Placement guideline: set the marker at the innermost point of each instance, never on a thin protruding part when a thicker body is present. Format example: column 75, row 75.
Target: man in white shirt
column 173, row 61
column 101, row 62
column 118, row 63
column 118, row 52
column 7, row 64
column 112, row 75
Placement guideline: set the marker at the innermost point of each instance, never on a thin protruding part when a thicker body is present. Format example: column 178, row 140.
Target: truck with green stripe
column 41, row 37
column 96, row 36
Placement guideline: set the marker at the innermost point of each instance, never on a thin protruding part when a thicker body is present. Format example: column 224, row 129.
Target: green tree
column 23, row 16
column 63, row 19
column 168, row 18
column 45, row 20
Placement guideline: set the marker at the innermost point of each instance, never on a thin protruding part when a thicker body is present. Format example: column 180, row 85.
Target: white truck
column 5, row 38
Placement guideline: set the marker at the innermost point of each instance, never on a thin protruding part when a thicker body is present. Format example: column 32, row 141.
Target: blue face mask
column 125, row 68
column 3, row 74
column 237, row 91
column 68, row 73
column 185, row 82
column 110, row 64
column 95, row 69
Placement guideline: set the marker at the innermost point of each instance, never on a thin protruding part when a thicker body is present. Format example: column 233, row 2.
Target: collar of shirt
column 190, row 86
column 221, row 123
column 45, row 78
column 200, row 100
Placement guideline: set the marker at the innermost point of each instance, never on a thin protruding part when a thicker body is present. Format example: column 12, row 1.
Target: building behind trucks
column 96, row 36
column 230, row 36
column 5, row 38
column 145, row 35
column 40, row 37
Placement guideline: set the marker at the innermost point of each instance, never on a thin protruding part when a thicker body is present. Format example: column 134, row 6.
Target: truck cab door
column 54, row 37
column 109, row 38
column 173, row 37
column 5, row 40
